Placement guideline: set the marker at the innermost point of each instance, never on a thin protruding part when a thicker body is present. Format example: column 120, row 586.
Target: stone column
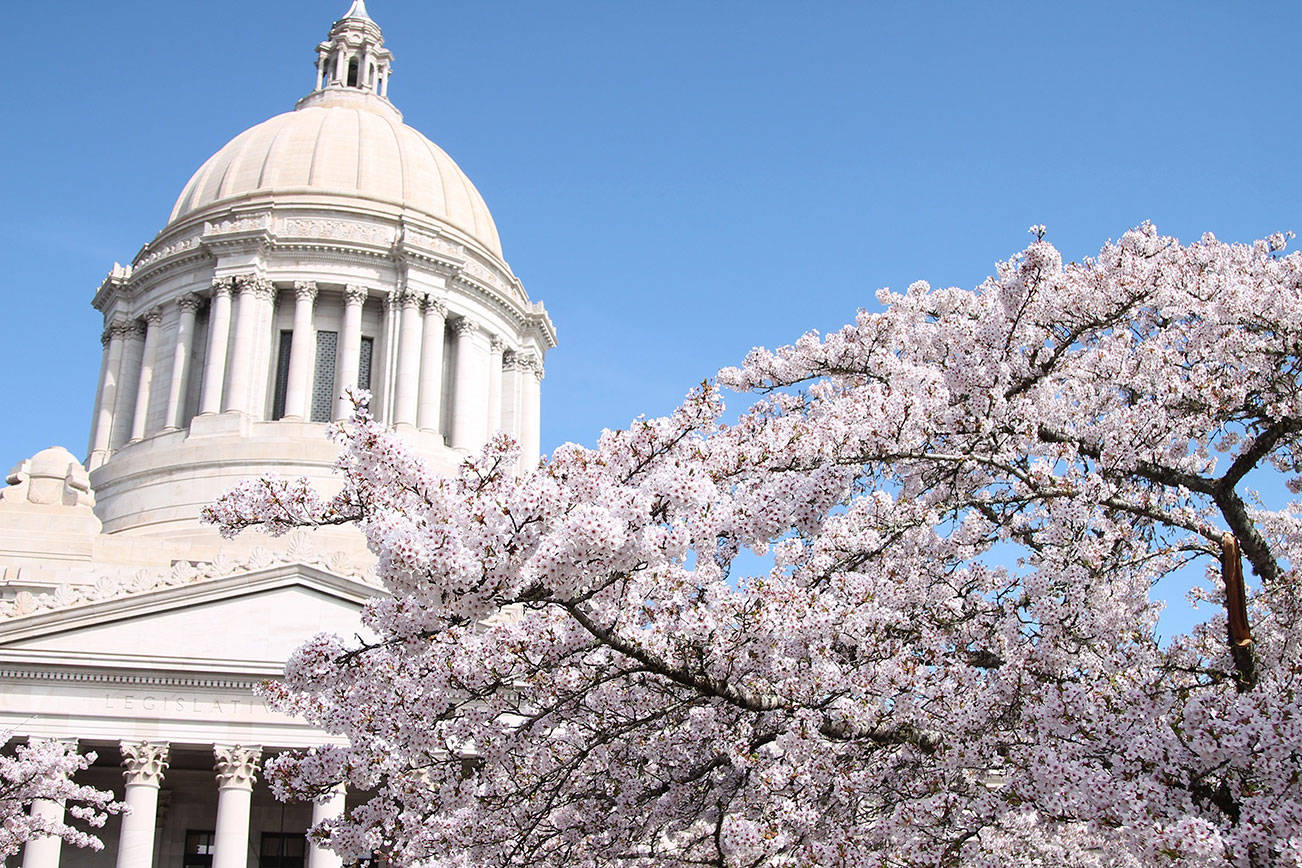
column 331, row 806
column 242, row 348
column 350, row 348
column 470, row 395
column 189, row 306
column 407, row 388
column 302, row 349
column 219, row 329
column 531, row 412
column 43, row 851
column 512, row 369
column 430, row 404
column 382, row 403
column 495, row 348
column 128, row 383
column 236, row 767
column 113, row 339
column 264, row 317
column 143, row 763
column 153, row 327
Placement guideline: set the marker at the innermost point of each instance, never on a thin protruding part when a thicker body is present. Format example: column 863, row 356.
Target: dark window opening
column 198, row 848
column 282, row 376
column 323, row 386
column 364, row 364
column 352, row 73
column 282, row 851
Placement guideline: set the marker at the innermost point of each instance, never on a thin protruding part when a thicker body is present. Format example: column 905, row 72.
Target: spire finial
column 357, row 10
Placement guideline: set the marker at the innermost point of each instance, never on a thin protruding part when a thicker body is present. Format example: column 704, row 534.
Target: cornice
column 39, row 672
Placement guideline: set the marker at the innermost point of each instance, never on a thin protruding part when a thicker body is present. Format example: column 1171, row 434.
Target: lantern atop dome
column 354, row 56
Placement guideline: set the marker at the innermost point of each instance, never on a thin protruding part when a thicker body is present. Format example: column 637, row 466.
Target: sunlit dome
column 343, row 141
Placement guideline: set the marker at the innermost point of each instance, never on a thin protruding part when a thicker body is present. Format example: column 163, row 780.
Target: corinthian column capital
column 189, row 301
column 354, row 294
column 465, row 326
column 262, row 288
column 143, row 762
column 236, row 765
column 154, row 315
column 305, row 290
column 435, row 305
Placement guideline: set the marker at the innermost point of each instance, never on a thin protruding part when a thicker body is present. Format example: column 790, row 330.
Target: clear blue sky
column 678, row 181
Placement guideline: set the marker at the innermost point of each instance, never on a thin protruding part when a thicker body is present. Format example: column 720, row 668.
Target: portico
column 179, row 732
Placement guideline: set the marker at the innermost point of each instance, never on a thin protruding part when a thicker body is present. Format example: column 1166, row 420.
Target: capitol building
column 328, row 248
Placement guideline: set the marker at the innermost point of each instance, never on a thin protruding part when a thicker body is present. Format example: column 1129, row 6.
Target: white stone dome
column 341, row 144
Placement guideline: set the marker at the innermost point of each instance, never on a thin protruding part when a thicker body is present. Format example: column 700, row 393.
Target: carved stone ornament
column 335, row 230
column 222, row 286
column 465, row 326
column 120, row 328
column 435, row 306
column 354, row 294
column 238, row 224
column 511, row 361
column 152, row 256
column 154, row 316
column 495, row 344
column 262, row 288
column 412, row 298
column 189, row 301
column 305, row 290
column 143, row 762
column 236, row 765
column 110, row 582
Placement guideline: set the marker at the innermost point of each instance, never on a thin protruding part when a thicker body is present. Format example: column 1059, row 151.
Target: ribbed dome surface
column 344, row 151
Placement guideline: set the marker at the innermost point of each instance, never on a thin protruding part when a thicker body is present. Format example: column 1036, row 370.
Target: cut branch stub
column 1236, row 608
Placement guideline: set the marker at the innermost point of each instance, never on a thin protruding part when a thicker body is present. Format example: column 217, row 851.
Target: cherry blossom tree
column 43, row 769
column 949, row 655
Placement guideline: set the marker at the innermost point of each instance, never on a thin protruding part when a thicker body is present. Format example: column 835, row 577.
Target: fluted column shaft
column 531, row 413
column 469, row 410
column 512, row 368
column 219, row 330
column 43, row 851
column 114, row 339
column 189, row 306
column 148, row 359
column 264, row 316
column 430, row 404
column 350, row 348
column 128, row 382
column 143, row 765
column 320, row 857
column 382, row 404
column 495, row 348
column 302, row 348
column 237, row 768
column 255, row 294
column 407, row 389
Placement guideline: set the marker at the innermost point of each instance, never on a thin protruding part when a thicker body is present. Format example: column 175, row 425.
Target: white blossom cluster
column 43, row 769
column 967, row 499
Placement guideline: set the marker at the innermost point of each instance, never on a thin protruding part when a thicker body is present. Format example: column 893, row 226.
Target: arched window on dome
column 352, row 72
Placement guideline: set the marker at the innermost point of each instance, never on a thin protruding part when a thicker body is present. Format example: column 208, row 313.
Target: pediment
column 250, row 621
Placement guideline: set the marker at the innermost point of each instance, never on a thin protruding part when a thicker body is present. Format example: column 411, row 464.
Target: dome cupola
column 327, row 248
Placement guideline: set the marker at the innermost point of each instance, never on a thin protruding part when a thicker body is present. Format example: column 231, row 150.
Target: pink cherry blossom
column 43, row 769
column 950, row 655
